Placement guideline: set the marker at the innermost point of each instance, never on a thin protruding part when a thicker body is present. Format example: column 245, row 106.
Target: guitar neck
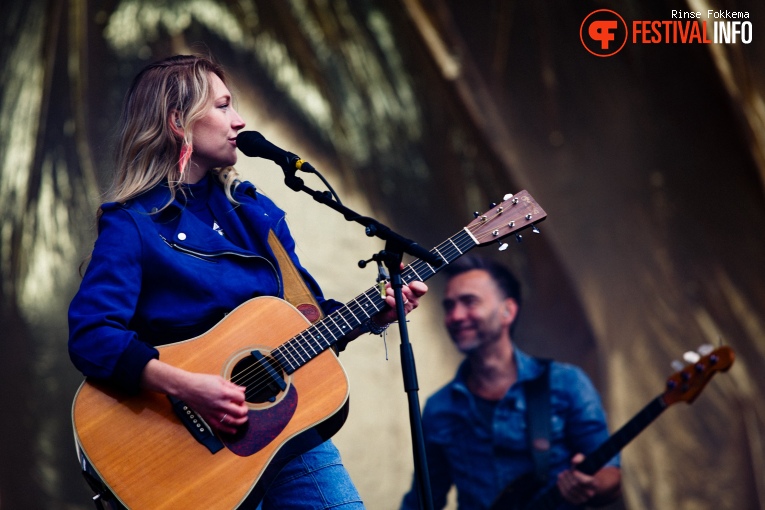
column 305, row 346
column 622, row 437
column 595, row 460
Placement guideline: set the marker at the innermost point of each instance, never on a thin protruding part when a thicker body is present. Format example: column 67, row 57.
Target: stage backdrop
column 649, row 163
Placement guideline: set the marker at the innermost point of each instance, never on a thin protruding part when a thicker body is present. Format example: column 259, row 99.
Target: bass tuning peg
column 691, row 357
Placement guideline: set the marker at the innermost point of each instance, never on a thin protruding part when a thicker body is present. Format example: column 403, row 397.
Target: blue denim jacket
column 480, row 459
column 160, row 277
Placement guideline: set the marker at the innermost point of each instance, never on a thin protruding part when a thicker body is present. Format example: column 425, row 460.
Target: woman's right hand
column 219, row 402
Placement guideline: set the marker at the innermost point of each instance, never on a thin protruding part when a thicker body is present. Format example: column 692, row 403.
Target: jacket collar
column 528, row 368
column 187, row 231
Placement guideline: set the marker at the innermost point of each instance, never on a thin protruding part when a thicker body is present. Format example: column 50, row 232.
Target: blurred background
column 650, row 165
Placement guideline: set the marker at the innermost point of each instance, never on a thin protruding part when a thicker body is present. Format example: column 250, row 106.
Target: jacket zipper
column 208, row 256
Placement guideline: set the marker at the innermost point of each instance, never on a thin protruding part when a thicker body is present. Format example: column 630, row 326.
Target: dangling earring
column 183, row 161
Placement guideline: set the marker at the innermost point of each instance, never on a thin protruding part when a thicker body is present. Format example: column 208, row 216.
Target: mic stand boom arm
column 395, row 246
column 373, row 227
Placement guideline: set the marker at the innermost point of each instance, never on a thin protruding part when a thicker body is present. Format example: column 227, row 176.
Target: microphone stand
column 391, row 256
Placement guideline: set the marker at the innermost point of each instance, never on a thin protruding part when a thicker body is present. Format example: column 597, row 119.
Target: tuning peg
column 492, row 205
column 534, row 229
column 706, row 349
column 691, row 357
column 677, row 365
column 476, row 214
column 507, row 197
column 502, row 246
column 518, row 237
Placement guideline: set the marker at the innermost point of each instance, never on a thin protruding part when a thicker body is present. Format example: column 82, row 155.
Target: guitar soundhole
column 262, row 377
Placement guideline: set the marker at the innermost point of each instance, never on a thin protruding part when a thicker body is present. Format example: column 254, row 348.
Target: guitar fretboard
column 317, row 338
column 622, row 437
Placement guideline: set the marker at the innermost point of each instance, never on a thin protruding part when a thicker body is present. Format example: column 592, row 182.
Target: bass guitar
column 683, row 386
column 153, row 452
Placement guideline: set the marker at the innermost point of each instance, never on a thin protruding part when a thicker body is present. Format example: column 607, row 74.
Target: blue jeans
column 316, row 480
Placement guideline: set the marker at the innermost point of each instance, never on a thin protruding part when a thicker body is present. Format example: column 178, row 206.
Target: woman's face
column 214, row 135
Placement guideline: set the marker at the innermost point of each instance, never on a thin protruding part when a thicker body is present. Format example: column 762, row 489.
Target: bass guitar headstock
column 686, row 384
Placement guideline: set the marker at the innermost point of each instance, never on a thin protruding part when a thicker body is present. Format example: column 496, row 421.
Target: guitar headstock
column 687, row 384
column 515, row 213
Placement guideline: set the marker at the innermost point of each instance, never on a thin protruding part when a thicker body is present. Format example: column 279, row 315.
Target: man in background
column 476, row 428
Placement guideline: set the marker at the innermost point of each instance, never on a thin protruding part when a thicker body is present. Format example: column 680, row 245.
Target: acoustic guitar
column 157, row 453
column 683, row 386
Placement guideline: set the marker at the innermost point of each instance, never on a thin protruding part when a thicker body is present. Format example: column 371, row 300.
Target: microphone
column 255, row 145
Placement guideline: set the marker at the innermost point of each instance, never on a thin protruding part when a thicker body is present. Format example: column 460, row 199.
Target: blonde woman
column 181, row 242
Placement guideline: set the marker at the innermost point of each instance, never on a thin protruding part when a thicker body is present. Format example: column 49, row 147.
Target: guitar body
column 149, row 459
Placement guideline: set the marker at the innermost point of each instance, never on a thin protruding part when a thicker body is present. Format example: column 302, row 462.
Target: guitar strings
column 308, row 341
column 244, row 377
column 255, row 377
column 448, row 249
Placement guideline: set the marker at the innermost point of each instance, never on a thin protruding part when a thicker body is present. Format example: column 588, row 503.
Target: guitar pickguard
column 263, row 425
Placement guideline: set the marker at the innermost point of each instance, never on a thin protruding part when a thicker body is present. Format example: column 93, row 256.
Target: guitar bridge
column 194, row 423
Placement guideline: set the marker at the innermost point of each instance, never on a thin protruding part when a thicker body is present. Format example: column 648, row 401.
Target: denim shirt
column 481, row 458
column 163, row 275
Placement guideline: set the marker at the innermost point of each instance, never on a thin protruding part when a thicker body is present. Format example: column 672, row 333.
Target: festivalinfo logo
column 604, row 33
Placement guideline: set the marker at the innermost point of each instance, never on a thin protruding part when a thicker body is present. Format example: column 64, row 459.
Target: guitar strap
column 538, row 418
column 296, row 292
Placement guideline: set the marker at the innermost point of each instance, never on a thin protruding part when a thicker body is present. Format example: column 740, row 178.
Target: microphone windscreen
column 252, row 143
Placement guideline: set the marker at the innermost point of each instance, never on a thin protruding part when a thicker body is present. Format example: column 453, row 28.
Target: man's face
column 476, row 313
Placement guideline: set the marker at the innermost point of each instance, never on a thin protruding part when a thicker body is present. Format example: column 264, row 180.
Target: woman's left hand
column 411, row 293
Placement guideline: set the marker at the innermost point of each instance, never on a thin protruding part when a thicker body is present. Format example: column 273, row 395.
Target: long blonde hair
column 148, row 149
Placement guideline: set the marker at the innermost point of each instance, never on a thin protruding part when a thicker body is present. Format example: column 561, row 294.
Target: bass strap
column 538, row 420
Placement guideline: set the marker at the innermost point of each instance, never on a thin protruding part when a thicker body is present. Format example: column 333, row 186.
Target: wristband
column 373, row 328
